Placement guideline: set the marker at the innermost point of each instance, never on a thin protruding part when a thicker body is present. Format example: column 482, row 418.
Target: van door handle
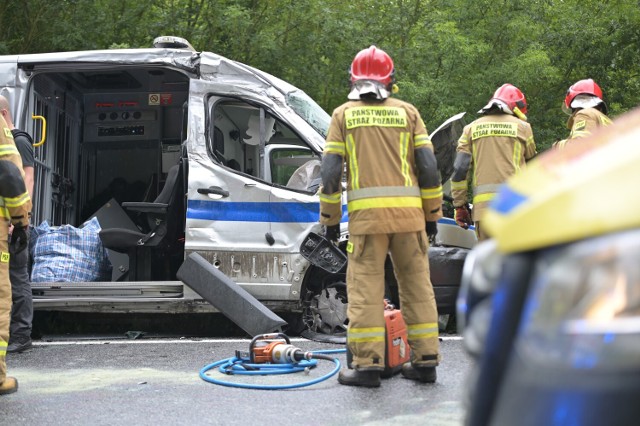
column 214, row 190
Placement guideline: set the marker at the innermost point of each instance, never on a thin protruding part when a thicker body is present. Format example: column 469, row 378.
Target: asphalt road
column 156, row 381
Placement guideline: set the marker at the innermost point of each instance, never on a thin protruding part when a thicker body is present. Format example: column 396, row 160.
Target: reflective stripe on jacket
column 15, row 203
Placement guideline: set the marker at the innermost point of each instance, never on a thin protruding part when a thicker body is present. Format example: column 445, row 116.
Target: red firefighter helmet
column 582, row 87
column 512, row 96
column 372, row 64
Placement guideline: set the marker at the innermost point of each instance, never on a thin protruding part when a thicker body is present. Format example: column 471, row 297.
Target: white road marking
column 171, row 341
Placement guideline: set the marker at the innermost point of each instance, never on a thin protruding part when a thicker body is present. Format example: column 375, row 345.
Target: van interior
column 112, row 134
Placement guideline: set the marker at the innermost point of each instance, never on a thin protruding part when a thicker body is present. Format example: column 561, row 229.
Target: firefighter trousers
column 365, row 291
column 5, row 299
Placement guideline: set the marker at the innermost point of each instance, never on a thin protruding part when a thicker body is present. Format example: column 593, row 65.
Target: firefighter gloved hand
column 432, row 230
column 462, row 217
column 332, row 233
column 19, row 239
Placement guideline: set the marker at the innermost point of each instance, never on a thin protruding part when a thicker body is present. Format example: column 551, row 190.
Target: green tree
column 450, row 55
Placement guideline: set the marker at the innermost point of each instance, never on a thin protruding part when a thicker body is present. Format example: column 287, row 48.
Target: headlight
column 480, row 275
column 583, row 311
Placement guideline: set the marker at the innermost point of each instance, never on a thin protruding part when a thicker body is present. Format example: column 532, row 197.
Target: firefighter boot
column 10, row 385
column 421, row 374
column 364, row 378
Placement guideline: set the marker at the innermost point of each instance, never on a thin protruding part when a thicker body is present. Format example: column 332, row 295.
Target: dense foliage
column 450, row 55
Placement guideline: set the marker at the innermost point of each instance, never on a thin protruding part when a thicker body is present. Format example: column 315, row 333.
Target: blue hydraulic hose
column 235, row 365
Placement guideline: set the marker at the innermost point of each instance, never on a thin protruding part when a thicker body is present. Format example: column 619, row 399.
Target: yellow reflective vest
column 378, row 141
column 499, row 144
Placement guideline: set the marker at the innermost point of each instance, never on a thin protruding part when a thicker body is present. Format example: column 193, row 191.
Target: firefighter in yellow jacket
column 586, row 108
column 15, row 206
column 393, row 194
column 490, row 150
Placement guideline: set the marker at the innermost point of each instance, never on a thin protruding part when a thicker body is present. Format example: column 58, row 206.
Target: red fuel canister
column 396, row 345
column 396, row 351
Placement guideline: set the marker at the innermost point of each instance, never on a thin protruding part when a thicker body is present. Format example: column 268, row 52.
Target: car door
column 227, row 205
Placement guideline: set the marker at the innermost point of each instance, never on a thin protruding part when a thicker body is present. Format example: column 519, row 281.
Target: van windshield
column 309, row 110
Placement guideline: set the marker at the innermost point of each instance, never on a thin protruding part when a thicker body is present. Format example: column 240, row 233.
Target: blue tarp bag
column 69, row 254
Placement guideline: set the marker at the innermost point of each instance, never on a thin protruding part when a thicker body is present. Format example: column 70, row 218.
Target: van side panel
column 8, row 68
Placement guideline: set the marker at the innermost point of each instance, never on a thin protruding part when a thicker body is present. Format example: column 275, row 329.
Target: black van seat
column 161, row 240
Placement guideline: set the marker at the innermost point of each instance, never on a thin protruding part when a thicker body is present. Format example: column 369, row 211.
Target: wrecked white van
column 176, row 151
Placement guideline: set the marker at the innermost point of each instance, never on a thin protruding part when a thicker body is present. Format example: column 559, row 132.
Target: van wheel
column 326, row 312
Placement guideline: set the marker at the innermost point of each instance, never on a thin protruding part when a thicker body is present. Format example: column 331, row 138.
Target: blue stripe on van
column 256, row 212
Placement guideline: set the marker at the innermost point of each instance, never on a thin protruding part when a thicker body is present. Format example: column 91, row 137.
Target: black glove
column 19, row 239
column 332, row 233
column 432, row 229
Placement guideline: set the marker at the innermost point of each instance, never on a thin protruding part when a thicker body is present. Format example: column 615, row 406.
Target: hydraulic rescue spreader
column 271, row 354
column 276, row 348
